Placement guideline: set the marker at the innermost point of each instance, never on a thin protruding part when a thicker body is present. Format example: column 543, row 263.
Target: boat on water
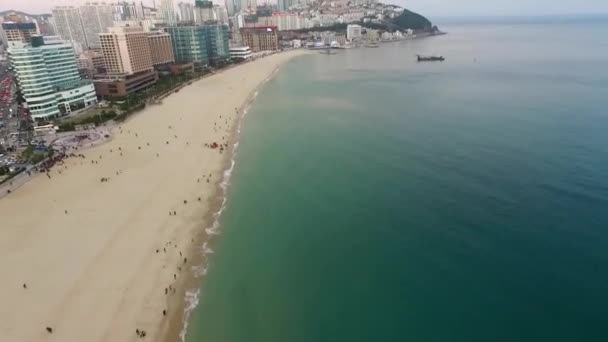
column 430, row 58
column 372, row 45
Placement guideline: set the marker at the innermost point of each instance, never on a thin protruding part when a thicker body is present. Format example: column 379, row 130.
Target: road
column 9, row 118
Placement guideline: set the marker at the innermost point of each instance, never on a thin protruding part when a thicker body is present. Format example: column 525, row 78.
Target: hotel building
column 48, row 78
column 128, row 62
column 161, row 48
column 260, row 38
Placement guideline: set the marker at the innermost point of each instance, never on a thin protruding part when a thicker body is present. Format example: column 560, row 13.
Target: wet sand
column 100, row 247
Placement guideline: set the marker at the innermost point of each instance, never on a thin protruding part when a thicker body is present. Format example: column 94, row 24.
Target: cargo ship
column 430, row 58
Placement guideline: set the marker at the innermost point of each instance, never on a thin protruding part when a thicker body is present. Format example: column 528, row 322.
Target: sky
column 444, row 8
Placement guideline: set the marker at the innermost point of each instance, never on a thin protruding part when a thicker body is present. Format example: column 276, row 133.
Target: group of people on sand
column 59, row 159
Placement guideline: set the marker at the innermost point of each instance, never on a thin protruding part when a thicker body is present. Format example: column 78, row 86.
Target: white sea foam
column 200, row 270
column 191, row 299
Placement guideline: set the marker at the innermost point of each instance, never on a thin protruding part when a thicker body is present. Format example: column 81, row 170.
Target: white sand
column 93, row 274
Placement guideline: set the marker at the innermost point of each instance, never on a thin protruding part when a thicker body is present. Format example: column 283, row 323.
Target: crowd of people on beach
column 59, row 159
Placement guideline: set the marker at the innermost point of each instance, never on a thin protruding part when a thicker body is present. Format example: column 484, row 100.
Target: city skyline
column 427, row 7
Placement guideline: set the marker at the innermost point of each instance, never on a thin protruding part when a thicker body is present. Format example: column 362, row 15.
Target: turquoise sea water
column 378, row 199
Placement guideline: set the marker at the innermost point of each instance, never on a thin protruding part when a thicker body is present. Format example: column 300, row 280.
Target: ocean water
column 379, row 199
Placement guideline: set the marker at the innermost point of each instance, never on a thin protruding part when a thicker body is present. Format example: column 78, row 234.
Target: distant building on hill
column 284, row 5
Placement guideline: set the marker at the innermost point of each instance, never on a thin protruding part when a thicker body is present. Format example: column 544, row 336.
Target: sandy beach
column 97, row 260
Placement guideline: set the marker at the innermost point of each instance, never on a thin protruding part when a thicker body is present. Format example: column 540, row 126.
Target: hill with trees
column 412, row 20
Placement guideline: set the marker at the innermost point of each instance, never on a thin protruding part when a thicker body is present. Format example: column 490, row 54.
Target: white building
column 167, row 11
column 353, row 32
column 246, row 5
column 284, row 5
column 288, row 21
column 240, row 52
column 230, row 8
column 221, row 14
column 47, row 76
column 96, row 18
column 203, row 12
column 69, row 27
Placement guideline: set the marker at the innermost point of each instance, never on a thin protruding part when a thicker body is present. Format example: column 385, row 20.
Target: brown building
column 126, row 50
column 128, row 62
column 119, row 86
column 263, row 38
column 161, row 48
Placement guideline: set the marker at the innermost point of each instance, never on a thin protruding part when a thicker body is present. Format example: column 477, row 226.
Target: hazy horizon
column 437, row 8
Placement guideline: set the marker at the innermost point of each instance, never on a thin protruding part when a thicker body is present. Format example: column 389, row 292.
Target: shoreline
column 200, row 249
column 115, row 244
column 190, row 287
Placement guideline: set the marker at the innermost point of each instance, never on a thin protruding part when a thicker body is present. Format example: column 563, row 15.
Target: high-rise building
column 18, row 32
column 139, row 10
column 167, row 12
column 288, row 21
column 285, row 4
column 200, row 44
column 69, row 26
column 127, row 10
column 96, row 18
column 189, row 44
column 186, row 11
column 218, row 42
column 203, row 11
column 161, row 48
column 230, row 8
column 221, row 14
column 260, row 38
column 128, row 62
column 45, row 25
column 250, row 5
column 126, row 50
column 48, row 78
